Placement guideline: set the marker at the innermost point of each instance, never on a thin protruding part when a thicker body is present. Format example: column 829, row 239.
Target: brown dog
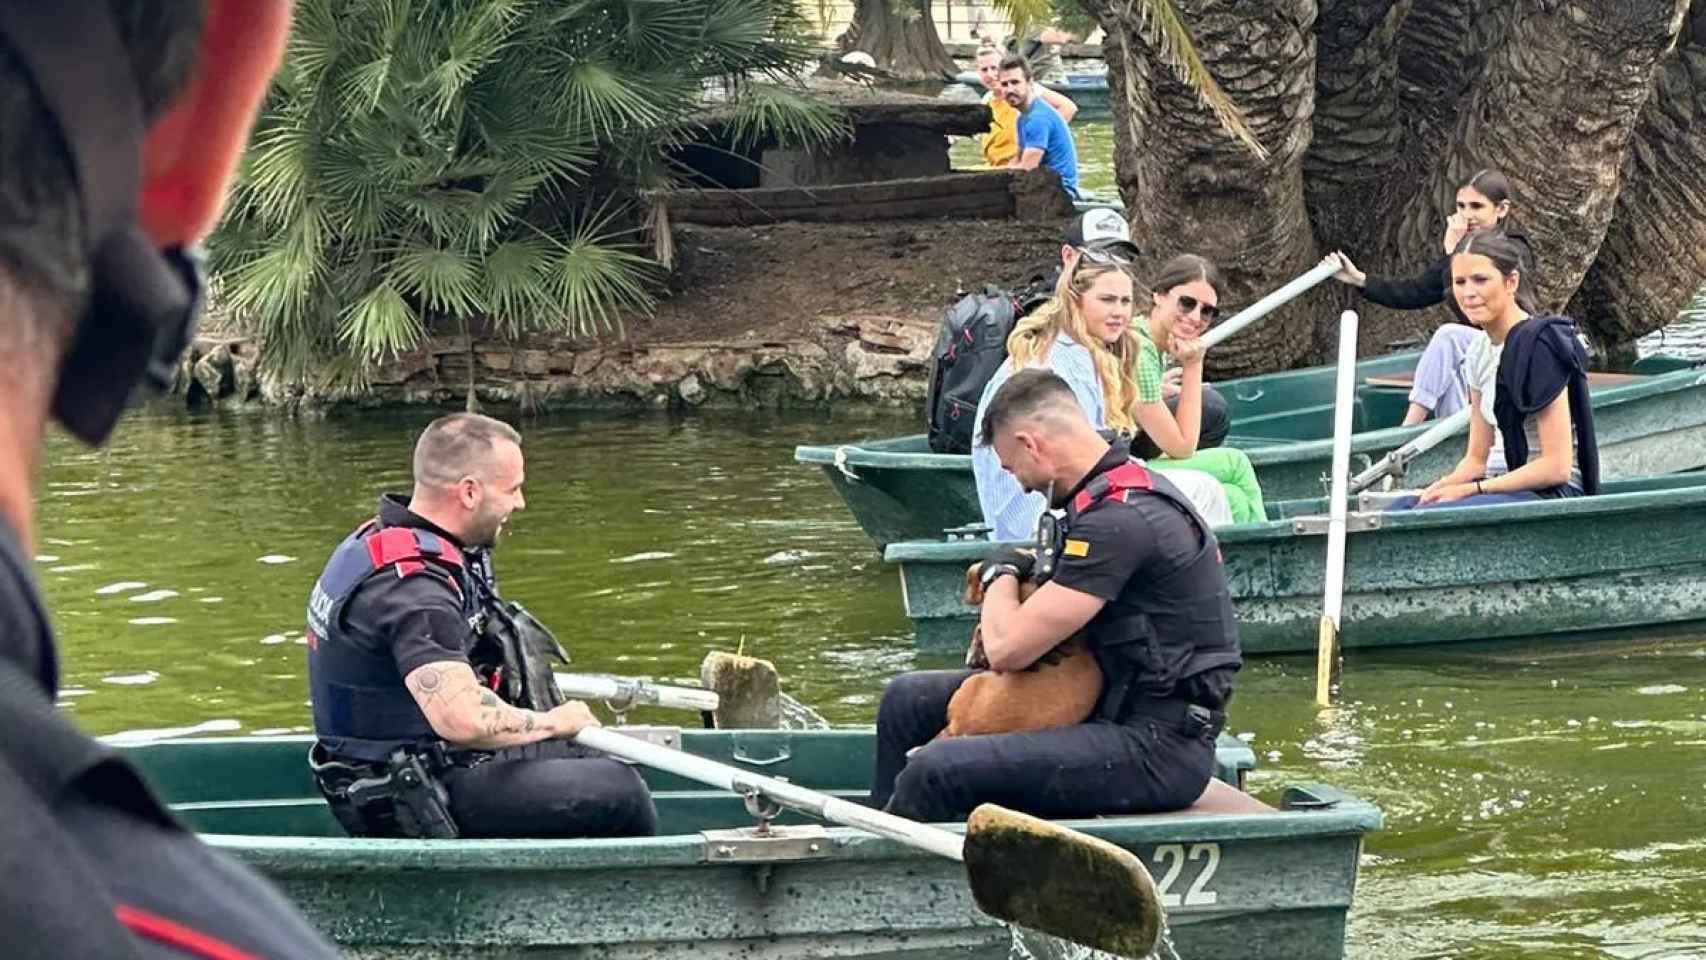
column 1059, row 690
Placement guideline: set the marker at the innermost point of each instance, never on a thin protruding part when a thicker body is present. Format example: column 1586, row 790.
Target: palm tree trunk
column 1358, row 138
column 1654, row 255
column 1192, row 188
column 1554, row 109
column 900, row 35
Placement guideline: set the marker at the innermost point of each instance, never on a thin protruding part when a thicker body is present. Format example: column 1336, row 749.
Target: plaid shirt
column 1149, row 365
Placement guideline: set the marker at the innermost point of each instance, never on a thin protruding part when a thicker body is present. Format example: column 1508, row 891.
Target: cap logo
column 1105, row 224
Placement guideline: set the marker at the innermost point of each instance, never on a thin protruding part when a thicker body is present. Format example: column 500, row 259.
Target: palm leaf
column 765, row 110
column 444, row 280
column 1165, row 30
column 380, row 324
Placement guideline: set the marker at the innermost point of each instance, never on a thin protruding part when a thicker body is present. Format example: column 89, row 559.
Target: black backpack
column 970, row 348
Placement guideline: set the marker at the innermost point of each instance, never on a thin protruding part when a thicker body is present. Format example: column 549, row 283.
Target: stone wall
column 860, row 357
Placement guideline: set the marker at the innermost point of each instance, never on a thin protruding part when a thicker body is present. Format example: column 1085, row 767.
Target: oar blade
column 1045, row 877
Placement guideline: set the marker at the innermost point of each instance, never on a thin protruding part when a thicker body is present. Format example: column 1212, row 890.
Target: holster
column 401, row 798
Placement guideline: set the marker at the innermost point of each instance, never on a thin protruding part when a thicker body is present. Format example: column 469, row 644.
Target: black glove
column 1021, row 563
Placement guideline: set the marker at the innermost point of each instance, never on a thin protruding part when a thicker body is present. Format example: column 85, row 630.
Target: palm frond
column 380, row 324
column 765, row 110
column 1164, row 28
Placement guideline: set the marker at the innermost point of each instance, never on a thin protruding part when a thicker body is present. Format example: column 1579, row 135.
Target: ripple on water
column 275, row 558
column 121, row 586
column 153, row 596
column 643, row 557
column 151, row 621
column 132, row 679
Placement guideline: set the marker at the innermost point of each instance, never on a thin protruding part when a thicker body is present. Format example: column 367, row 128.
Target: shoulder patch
column 1075, row 548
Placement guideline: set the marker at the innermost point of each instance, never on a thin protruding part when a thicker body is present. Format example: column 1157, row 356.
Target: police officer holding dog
column 435, row 710
column 1127, row 561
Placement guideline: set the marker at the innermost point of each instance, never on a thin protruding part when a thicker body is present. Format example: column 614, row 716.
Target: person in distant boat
column 1044, row 140
column 435, row 710
column 1529, row 390
column 1082, row 334
column 1001, row 144
column 1441, row 387
column 1133, row 566
column 121, row 127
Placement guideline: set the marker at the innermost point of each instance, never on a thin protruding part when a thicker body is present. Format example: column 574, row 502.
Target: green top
column 1148, row 365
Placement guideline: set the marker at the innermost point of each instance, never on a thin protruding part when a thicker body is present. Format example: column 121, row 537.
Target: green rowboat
column 1631, row 556
column 1649, row 423
column 1241, row 879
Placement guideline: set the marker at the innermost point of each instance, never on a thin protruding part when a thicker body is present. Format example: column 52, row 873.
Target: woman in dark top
column 1530, row 394
column 1483, row 206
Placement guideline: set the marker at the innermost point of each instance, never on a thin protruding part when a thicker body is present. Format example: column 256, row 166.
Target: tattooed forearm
column 467, row 713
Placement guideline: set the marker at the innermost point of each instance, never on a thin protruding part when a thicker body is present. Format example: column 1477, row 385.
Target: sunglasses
column 1188, row 303
column 1104, row 257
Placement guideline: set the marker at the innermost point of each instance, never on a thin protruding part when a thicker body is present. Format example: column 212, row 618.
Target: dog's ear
column 974, row 586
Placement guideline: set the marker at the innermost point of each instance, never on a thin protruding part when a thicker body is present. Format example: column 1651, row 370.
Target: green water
column 1542, row 801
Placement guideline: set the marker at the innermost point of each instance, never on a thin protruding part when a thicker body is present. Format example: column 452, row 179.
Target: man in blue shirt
column 1044, row 139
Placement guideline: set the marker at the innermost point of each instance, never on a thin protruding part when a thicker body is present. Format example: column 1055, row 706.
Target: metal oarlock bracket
column 1317, row 526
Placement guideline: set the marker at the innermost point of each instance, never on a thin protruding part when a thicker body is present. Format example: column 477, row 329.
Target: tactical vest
column 1159, row 630
column 362, row 710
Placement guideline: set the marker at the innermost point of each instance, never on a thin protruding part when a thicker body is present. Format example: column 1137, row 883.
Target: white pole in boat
column 1273, row 301
column 1394, row 462
column 627, row 691
column 1344, row 401
column 793, row 796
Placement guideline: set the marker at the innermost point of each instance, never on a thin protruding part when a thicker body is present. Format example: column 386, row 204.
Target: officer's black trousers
column 1080, row 771
column 550, row 789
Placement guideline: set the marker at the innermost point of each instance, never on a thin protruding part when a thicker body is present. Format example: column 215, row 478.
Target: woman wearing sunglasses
column 1184, row 302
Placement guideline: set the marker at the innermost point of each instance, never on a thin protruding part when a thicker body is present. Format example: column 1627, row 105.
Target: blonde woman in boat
column 1184, row 300
column 1083, row 334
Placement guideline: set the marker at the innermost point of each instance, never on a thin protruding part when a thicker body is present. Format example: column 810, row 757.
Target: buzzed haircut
column 455, row 446
column 1013, row 61
column 1034, row 392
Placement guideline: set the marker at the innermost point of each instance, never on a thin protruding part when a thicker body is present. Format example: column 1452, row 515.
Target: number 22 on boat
column 1173, row 856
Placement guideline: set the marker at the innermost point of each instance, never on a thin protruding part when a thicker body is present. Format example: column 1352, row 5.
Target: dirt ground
column 772, row 282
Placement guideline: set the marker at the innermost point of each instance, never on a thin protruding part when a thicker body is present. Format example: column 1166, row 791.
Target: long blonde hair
column 1116, row 363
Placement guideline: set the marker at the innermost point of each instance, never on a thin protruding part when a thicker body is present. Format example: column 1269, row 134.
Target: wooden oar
column 1273, row 301
column 1022, row 869
column 627, row 691
column 1344, row 406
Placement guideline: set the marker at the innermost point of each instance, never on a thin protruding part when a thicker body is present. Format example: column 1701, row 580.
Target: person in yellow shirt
column 1001, row 144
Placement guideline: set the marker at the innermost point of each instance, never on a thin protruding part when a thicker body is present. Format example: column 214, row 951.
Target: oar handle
column 941, row 842
column 1395, row 461
column 1273, row 301
column 629, row 691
